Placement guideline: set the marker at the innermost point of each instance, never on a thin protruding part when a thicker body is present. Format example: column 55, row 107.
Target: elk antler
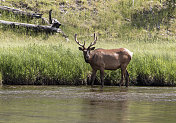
column 82, row 45
column 93, row 43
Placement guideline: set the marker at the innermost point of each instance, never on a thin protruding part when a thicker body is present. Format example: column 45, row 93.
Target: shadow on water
column 85, row 104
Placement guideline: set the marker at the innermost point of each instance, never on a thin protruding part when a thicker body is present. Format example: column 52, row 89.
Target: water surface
column 63, row 104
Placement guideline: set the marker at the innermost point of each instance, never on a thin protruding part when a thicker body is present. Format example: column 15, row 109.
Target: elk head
column 86, row 51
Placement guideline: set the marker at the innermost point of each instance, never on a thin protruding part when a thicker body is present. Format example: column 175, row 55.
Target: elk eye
column 93, row 48
column 80, row 48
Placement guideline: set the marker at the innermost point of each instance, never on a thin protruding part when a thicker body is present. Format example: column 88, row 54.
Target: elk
column 106, row 59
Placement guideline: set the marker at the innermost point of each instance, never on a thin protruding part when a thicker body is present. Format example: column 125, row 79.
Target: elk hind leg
column 122, row 76
column 127, row 78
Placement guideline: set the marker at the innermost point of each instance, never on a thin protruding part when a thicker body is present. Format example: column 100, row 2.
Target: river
column 83, row 104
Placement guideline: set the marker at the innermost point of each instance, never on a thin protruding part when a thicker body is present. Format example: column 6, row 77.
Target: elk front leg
column 93, row 77
column 102, row 77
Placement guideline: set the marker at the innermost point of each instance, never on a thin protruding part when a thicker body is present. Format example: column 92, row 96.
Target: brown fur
column 106, row 59
column 110, row 59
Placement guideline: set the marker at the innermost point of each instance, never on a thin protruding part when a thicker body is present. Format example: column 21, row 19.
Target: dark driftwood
column 55, row 23
column 18, row 11
column 50, row 19
column 31, row 26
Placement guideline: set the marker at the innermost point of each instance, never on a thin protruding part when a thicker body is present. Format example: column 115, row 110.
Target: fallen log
column 39, row 28
column 18, row 11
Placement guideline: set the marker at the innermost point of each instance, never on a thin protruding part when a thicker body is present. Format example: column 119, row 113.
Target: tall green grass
column 41, row 65
column 63, row 64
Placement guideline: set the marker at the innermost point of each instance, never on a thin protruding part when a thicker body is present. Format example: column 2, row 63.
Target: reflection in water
column 103, row 111
column 52, row 104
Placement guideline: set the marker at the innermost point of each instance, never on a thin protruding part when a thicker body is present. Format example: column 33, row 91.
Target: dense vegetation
column 147, row 28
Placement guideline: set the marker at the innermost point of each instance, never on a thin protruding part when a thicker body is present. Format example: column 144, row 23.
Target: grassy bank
column 45, row 62
column 41, row 65
column 43, row 59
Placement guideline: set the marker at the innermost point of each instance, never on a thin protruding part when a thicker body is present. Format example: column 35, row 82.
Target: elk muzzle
column 86, row 54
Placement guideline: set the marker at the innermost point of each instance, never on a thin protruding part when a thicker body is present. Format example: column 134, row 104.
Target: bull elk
column 106, row 59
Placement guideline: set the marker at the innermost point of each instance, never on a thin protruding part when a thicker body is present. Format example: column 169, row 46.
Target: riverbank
column 147, row 28
column 57, row 62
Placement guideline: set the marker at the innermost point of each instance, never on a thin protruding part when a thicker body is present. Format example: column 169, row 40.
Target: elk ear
column 80, row 48
column 92, row 48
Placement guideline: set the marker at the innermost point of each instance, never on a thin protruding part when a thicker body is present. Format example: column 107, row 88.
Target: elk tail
column 129, row 52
